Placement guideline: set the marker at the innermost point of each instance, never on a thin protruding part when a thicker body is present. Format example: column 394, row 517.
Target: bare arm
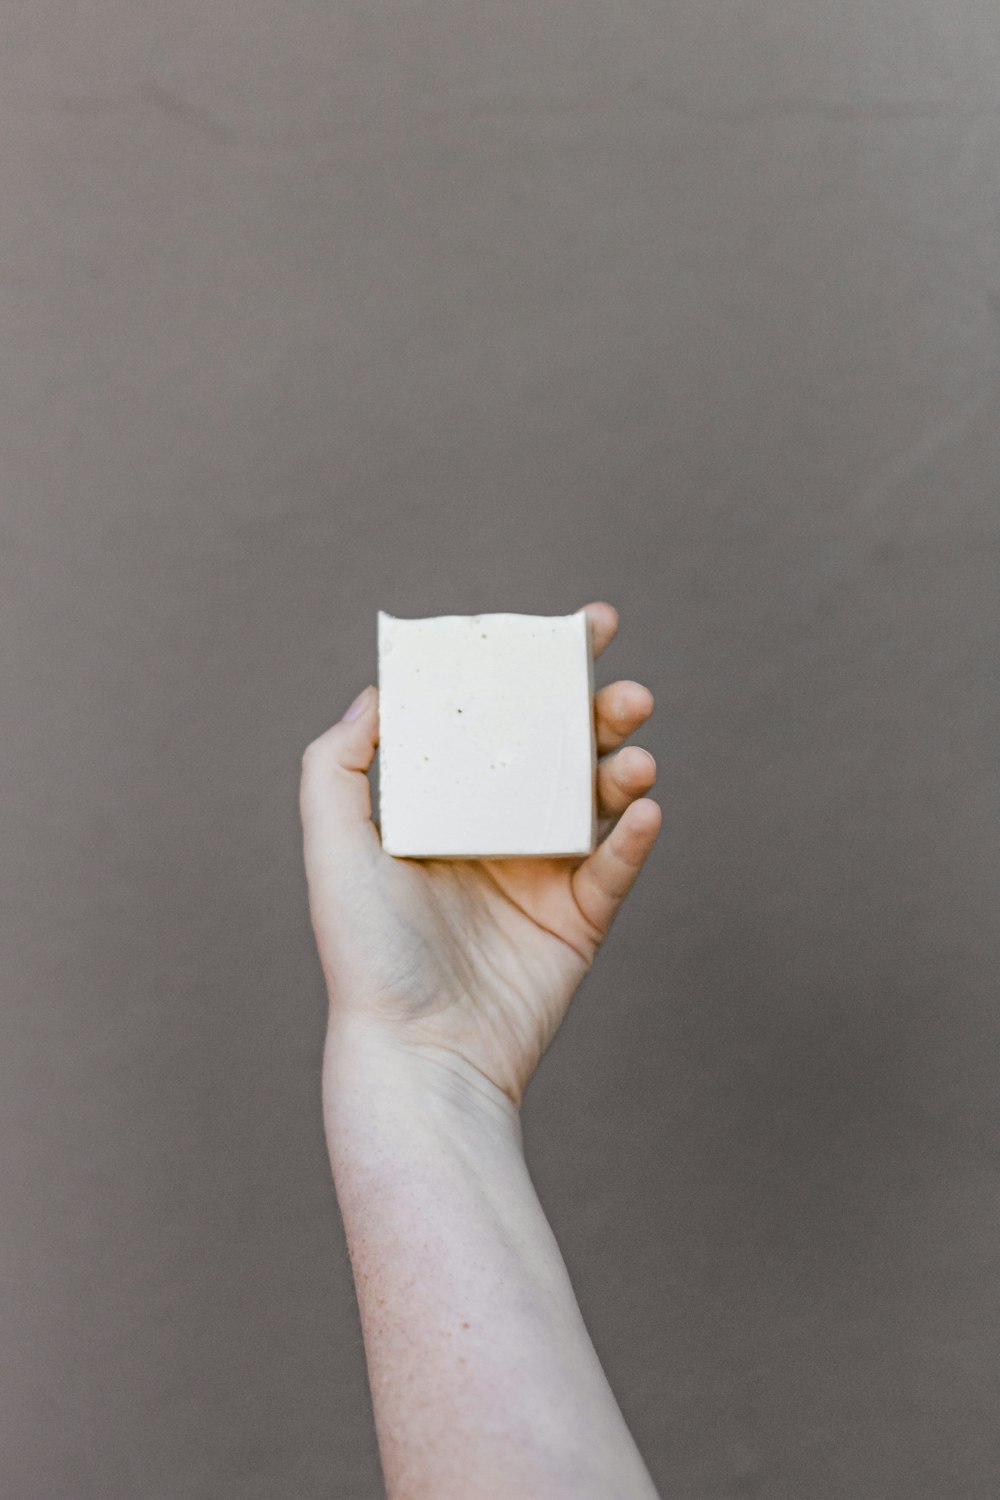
column 445, row 988
column 484, row 1380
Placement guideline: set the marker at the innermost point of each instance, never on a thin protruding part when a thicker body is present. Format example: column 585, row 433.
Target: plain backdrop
column 310, row 309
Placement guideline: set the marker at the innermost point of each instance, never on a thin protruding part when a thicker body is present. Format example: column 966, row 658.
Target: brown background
column 311, row 309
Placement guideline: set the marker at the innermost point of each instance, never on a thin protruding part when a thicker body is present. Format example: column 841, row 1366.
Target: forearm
column 484, row 1380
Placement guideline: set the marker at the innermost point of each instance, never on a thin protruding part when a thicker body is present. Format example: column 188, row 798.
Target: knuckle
column 312, row 755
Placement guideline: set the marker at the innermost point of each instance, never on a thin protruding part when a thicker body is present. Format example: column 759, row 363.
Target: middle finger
column 619, row 709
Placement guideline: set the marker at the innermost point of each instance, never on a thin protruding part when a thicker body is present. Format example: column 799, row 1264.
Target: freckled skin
column 447, row 981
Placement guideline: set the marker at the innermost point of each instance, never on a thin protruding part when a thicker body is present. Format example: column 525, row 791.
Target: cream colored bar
column 486, row 735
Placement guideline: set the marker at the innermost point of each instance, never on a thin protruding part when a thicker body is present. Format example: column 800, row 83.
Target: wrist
column 384, row 1097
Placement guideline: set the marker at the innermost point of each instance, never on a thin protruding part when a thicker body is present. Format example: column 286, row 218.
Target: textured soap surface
column 486, row 735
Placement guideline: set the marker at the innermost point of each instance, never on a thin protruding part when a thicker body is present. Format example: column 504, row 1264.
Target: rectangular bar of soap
column 486, row 735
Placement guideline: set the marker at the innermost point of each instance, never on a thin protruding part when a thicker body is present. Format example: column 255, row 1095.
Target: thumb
column 334, row 794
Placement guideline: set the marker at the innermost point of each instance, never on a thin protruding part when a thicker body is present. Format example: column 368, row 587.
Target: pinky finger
column 601, row 883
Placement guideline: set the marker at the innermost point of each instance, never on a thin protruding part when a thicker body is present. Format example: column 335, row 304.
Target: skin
column 447, row 980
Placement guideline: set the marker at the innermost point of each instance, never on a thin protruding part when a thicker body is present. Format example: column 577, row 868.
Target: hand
column 470, row 962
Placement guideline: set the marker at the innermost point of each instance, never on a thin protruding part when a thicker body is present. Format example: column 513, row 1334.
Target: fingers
column 620, row 708
column 622, row 778
column 335, row 795
column 604, row 624
column 601, row 883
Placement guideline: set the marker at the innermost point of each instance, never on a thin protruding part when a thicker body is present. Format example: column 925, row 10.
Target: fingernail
column 358, row 706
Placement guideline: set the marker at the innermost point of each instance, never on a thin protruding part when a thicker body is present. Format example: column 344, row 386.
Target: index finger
column 604, row 624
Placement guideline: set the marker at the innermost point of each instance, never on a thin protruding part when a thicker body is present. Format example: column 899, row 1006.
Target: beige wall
column 311, row 309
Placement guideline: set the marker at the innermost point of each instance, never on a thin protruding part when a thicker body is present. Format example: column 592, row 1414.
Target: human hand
column 472, row 963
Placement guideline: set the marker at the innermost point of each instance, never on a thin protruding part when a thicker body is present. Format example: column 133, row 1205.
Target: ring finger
column 623, row 777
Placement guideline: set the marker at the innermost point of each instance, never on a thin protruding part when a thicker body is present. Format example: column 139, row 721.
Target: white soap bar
column 486, row 735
